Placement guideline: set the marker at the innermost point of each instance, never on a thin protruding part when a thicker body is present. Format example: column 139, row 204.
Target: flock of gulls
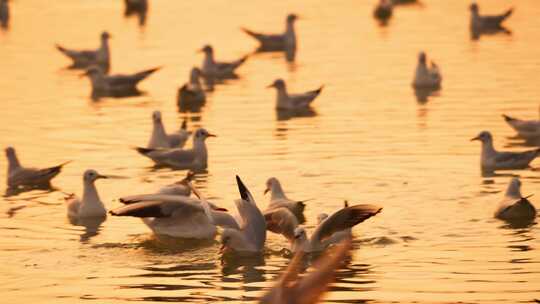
column 179, row 210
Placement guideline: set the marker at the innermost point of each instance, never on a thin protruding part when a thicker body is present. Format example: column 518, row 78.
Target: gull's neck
column 277, row 191
column 209, row 59
column 487, row 148
column 282, row 97
column 513, row 191
column 290, row 34
column 201, row 152
column 90, row 194
column 159, row 136
column 98, row 81
column 13, row 163
column 194, row 80
column 104, row 52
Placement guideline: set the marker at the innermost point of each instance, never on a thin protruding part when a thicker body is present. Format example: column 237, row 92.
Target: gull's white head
column 91, row 176
column 514, row 188
column 484, row 137
column 278, row 84
column 271, row 184
column 156, row 117
column 201, row 134
column 321, row 217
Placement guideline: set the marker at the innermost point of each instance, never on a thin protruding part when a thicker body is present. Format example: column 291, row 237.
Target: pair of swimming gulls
column 528, row 129
column 181, row 216
column 492, row 160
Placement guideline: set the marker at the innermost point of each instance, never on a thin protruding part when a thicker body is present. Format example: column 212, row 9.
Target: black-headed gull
column 19, row 176
column 278, row 199
column 251, row 235
column 89, row 205
column 160, row 138
column 87, row 58
column 195, row 158
column 492, row 159
column 307, row 289
column 426, row 77
column 481, row 23
column 285, row 41
column 115, row 85
column 218, row 69
column 287, row 101
column 514, row 206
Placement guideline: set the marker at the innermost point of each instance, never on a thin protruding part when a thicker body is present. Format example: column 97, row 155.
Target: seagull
column 324, row 234
column 192, row 92
column 90, row 205
column 87, row 58
column 181, row 187
column 426, row 77
column 514, row 206
column 524, row 128
column 160, row 138
column 485, row 23
column 4, row 13
column 195, row 158
column 177, row 216
column 383, row 10
column 492, row 159
column 278, row 199
column 136, row 6
column 21, row 176
column 115, row 85
column 277, row 42
column 286, row 101
column 215, row 69
column 281, row 221
column 251, row 235
column 308, row 289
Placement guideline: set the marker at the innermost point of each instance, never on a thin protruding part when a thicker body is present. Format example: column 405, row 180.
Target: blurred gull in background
column 90, row 205
column 4, row 13
column 20, row 176
column 285, row 41
column 426, row 77
column 160, row 138
column 218, row 69
column 192, row 93
column 115, row 85
column 492, row 159
column 514, row 206
column 528, row 129
column 481, row 23
column 87, row 58
column 195, row 158
column 286, row 101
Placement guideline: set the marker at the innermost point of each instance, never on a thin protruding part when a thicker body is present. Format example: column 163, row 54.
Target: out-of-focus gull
column 281, row 221
column 192, row 92
column 285, row 41
column 485, row 23
column 4, row 13
column 160, row 138
column 195, row 158
column 323, row 236
column 19, row 176
column 514, row 206
column 87, row 58
column 308, row 289
column 218, row 69
column 115, row 85
column 525, row 128
column 492, row 159
column 181, row 187
column 136, row 5
column 286, row 101
column 383, row 10
column 278, row 199
column 426, row 77
column 90, row 205
column 251, row 235
column 177, row 216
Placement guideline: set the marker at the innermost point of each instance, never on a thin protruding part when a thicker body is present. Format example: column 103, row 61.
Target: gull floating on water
column 426, row 77
column 195, row 158
column 383, row 10
column 192, row 92
column 514, row 206
column 90, row 205
column 285, row 41
column 525, row 128
column 218, row 69
column 87, row 58
column 4, row 13
column 251, row 235
column 115, row 85
column 286, row 101
column 136, row 6
column 21, row 176
column 308, row 289
column 278, row 199
column 492, row 159
column 481, row 23
column 160, row 138
column 177, row 216
column 340, row 221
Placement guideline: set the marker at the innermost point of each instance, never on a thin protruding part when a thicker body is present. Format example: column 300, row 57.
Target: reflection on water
column 368, row 139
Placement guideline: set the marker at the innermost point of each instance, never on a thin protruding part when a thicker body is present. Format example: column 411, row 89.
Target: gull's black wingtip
column 242, row 189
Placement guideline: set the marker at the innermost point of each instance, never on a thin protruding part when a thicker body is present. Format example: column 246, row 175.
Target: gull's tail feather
column 142, row 75
column 508, row 13
column 144, row 151
column 61, row 48
column 508, row 118
column 251, row 33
